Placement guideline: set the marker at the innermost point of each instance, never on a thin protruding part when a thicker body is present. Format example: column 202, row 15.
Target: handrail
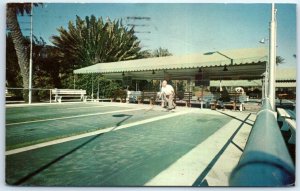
column 8, row 88
column 265, row 160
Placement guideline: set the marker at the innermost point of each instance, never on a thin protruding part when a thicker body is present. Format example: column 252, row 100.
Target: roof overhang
column 245, row 64
column 285, row 77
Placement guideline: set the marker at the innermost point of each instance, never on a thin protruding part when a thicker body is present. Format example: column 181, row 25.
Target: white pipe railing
column 265, row 160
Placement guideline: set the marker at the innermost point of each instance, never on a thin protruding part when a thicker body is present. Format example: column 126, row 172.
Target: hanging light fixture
column 153, row 72
column 123, row 74
column 225, row 68
column 200, row 69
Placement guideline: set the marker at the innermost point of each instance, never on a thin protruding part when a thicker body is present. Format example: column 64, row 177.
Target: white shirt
column 168, row 90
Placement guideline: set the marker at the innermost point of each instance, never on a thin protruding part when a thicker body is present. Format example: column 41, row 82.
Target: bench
column 149, row 96
column 207, row 100
column 100, row 99
column 287, row 117
column 282, row 113
column 292, row 126
column 184, row 98
column 69, row 93
column 230, row 105
column 133, row 96
column 187, row 96
column 243, row 99
column 237, row 101
column 282, row 116
column 7, row 94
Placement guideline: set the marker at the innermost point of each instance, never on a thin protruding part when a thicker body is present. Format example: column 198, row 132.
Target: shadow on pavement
column 200, row 180
column 24, row 179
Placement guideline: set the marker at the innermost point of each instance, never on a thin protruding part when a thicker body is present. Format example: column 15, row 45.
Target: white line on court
column 58, row 141
column 85, row 107
column 186, row 170
column 74, row 116
column 40, row 104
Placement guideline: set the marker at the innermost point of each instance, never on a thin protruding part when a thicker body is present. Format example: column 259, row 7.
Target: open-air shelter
column 285, row 78
column 239, row 64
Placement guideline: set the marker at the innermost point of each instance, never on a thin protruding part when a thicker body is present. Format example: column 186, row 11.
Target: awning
column 236, row 83
column 286, row 74
column 252, row 83
column 246, row 64
column 285, row 84
column 285, row 77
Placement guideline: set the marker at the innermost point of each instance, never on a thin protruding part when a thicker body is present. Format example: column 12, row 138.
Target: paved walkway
column 113, row 144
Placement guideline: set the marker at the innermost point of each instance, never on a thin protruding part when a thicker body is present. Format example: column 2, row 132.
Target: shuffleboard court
column 23, row 114
column 32, row 132
column 126, row 157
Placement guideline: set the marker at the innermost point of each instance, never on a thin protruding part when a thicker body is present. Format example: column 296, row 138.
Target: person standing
column 168, row 93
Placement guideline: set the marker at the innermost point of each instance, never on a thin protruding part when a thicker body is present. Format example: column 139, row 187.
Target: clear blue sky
column 183, row 28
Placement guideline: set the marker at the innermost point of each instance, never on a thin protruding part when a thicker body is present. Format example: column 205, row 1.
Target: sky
column 181, row 28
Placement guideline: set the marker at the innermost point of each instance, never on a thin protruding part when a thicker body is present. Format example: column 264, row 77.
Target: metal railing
column 14, row 94
column 265, row 160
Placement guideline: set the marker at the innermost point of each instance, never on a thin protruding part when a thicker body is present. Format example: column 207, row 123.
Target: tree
column 279, row 60
column 13, row 77
column 92, row 40
column 145, row 54
column 160, row 52
column 44, row 74
column 13, row 9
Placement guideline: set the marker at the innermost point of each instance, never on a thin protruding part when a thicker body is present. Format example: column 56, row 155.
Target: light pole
column 210, row 53
column 30, row 59
column 272, row 58
column 264, row 87
column 265, row 75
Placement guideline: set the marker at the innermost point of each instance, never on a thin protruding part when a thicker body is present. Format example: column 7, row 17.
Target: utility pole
column 30, row 59
column 137, row 22
column 272, row 57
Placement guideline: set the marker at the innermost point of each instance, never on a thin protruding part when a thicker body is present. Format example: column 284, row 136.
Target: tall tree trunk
column 19, row 44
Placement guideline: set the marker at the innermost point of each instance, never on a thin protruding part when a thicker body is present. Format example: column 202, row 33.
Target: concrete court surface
column 118, row 144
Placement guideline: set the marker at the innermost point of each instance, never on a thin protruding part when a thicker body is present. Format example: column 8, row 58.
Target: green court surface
column 125, row 157
column 30, row 132
column 21, row 114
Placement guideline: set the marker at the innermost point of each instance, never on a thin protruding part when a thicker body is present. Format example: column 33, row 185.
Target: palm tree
column 279, row 60
column 92, row 40
column 160, row 52
column 13, row 9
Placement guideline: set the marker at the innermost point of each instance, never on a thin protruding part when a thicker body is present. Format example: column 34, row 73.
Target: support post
column 30, row 60
column 272, row 57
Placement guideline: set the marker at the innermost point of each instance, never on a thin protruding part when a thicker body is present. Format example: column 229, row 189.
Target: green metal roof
column 236, row 83
column 285, row 77
column 286, row 74
column 181, row 66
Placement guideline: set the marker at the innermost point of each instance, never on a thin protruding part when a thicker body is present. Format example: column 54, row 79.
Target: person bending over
column 167, row 93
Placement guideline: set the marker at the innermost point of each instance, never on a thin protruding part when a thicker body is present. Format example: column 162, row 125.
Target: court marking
column 101, row 131
column 40, row 104
column 71, row 117
column 186, row 170
column 85, row 107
